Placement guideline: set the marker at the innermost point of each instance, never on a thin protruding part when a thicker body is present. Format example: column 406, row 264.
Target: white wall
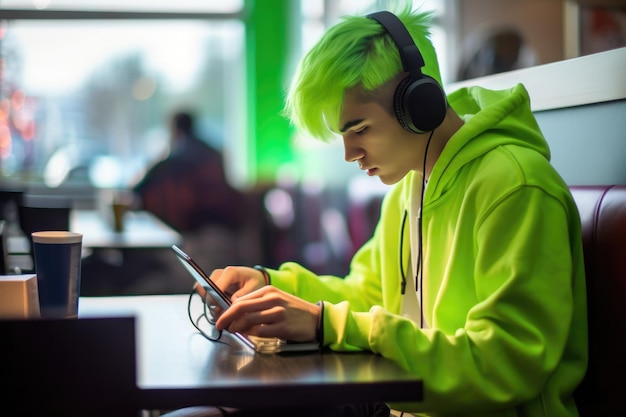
column 580, row 105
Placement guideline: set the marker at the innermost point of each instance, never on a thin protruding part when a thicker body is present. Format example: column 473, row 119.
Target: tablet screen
column 202, row 278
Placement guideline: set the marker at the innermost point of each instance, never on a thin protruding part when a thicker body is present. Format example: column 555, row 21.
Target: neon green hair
column 357, row 50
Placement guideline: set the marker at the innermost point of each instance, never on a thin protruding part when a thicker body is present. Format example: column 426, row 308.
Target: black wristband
column 266, row 274
column 319, row 331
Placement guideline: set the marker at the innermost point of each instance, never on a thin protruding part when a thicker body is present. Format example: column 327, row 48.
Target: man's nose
column 351, row 153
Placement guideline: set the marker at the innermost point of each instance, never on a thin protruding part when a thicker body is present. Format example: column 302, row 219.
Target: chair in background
column 37, row 213
column 4, row 256
column 10, row 200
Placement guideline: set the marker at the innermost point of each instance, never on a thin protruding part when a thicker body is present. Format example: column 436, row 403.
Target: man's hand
column 270, row 312
column 235, row 281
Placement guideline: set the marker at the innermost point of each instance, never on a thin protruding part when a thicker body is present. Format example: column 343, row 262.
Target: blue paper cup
column 57, row 265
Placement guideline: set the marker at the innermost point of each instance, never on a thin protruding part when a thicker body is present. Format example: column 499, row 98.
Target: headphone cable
column 419, row 274
column 403, row 284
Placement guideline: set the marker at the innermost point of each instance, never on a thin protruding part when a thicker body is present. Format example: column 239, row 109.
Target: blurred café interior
column 88, row 87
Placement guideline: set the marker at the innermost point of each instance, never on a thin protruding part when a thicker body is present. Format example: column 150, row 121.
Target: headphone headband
column 410, row 54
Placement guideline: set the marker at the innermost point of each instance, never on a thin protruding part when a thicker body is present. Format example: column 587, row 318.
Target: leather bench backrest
column 603, row 217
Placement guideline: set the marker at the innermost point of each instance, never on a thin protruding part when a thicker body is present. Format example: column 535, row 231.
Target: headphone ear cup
column 425, row 105
column 399, row 108
column 419, row 102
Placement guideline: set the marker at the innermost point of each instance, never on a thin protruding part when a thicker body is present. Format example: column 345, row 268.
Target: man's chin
column 388, row 180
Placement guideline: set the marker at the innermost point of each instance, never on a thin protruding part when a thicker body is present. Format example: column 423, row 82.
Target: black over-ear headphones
column 419, row 101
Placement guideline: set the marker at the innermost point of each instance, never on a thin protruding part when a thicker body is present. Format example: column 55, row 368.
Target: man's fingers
column 262, row 305
column 251, row 323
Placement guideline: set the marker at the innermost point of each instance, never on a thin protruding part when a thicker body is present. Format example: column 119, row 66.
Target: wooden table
column 177, row 367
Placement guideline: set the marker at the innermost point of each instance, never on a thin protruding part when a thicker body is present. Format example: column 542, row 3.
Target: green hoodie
column 504, row 286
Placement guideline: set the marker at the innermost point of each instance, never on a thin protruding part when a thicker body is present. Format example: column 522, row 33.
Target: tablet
column 259, row 344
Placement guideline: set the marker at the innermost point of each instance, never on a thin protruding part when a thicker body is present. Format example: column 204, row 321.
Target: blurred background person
column 495, row 51
column 188, row 189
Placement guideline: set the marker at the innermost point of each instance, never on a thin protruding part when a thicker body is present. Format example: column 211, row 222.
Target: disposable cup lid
column 55, row 236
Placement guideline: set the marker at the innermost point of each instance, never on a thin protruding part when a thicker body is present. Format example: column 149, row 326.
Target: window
column 222, row 6
column 85, row 98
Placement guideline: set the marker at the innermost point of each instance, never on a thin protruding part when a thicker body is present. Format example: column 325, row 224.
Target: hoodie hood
column 492, row 119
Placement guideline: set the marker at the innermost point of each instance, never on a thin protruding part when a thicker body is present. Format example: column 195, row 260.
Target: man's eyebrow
column 349, row 124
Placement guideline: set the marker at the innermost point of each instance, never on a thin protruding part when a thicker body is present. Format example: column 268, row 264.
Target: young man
column 474, row 278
